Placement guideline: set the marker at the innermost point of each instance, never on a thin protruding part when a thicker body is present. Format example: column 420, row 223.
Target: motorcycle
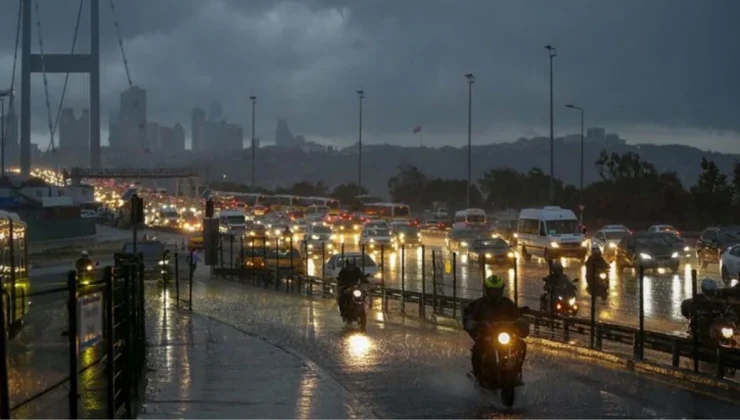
column 602, row 286
column 564, row 304
column 354, row 306
column 86, row 274
column 502, row 359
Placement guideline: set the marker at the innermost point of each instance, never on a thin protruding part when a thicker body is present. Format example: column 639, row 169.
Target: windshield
column 235, row 220
column 651, row 241
column 562, row 227
column 149, row 249
column 492, row 243
column 615, row 235
column 358, row 260
column 321, row 230
column 671, row 237
column 379, row 232
column 475, row 219
column 407, row 230
column 729, row 235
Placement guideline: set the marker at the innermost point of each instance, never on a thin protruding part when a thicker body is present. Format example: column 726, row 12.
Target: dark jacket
column 594, row 266
column 485, row 309
column 348, row 277
column 81, row 263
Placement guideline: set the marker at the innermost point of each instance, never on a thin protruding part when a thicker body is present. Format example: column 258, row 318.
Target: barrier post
column 221, row 249
column 4, row 391
column 434, row 281
column 422, row 301
column 277, row 263
column 382, row 278
column 191, row 270
column 110, row 343
column 292, row 271
column 177, row 279
column 231, row 254
column 403, row 278
column 323, row 260
column 242, row 257
column 592, row 288
column 454, row 285
column 74, row 346
column 516, row 281
column 13, row 304
column 641, row 331
column 694, row 323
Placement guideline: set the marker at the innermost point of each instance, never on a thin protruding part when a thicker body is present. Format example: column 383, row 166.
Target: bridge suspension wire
column 15, row 62
column 43, row 71
column 120, row 41
column 66, row 77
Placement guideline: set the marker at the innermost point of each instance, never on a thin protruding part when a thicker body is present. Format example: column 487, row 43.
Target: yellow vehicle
column 14, row 267
column 195, row 243
column 272, row 259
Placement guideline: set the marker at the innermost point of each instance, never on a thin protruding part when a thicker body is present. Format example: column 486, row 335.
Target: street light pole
column 471, row 80
column 582, row 118
column 3, row 94
column 552, row 53
column 361, row 94
column 254, row 106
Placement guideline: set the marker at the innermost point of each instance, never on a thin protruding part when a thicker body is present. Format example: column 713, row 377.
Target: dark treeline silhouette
column 630, row 190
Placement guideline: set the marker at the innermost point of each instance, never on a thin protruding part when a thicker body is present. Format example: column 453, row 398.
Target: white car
column 88, row 214
column 607, row 238
column 377, row 224
column 374, row 238
column 663, row 228
column 315, row 238
column 730, row 265
column 337, row 261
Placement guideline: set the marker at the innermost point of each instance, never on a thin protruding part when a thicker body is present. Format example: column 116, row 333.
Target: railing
column 590, row 332
column 105, row 347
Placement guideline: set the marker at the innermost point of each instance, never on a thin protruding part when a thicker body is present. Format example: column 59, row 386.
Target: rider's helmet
column 84, row 254
column 557, row 268
column 595, row 249
column 494, row 286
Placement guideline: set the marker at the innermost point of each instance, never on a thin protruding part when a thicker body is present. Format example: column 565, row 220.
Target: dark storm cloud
column 662, row 62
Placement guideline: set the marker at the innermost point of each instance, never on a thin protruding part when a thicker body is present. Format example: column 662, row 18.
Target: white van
column 550, row 232
column 232, row 222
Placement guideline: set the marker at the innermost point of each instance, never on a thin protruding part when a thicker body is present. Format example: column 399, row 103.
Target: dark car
column 407, row 235
column 461, row 239
column 495, row 251
column 714, row 241
column 679, row 244
column 156, row 262
column 650, row 250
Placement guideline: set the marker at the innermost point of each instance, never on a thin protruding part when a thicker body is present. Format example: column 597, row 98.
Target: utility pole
column 552, row 53
column 471, row 80
column 361, row 94
column 254, row 105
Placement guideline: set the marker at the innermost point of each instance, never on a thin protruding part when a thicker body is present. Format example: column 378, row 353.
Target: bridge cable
column 15, row 61
column 66, row 77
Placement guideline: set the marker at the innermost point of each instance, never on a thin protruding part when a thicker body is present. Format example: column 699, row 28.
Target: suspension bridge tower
column 60, row 63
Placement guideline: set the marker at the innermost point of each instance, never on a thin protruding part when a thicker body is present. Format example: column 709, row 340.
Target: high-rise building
column 232, row 137
column 74, row 137
column 215, row 112
column 152, row 136
column 133, row 118
column 197, row 130
column 114, row 129
column 595, row 134
column 172, row 139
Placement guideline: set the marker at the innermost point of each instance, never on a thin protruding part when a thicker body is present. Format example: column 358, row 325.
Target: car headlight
column 333, row 237
column 584, row 244
column 727, row 332
column 356, row 293
column 489, row 255
column 277, row 232
column 510, row 255
column 330, row 246
column 463, row 244
column 612, row 245
column 554, row 244
column 372, row 241
column 686, row 249
column 315, row 237
column 674, row 255
column 163, row 262
column 645, row 256
column 572, row 301
column 310, row 246
column 504, row 338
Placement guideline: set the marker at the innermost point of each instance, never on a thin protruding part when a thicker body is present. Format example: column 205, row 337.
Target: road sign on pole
column 90, row 320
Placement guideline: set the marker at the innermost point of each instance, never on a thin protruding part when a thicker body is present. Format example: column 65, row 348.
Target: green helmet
column 493, row 282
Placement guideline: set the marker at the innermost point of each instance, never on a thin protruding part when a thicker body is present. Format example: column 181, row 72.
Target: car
column 255, row 230
column 335, row 263
column 459, row 240
column 730, row 265
column 550, row 232
column 375, row 238
column 663, row 228
column 377, row 224
column 679, row 244
column 405, row 235
column 88, row 214
column 607, row 239
column 649, row 250
column 273, row 259
column 494, row 251
column 714, row 241
column 156, row 261
column 316, row 238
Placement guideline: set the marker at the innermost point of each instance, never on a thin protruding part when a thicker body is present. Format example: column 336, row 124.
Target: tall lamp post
column 471, row 80
column 361, row 95
column 3, row 94
column 254, row 106
column 582, row 113
column 552, row 53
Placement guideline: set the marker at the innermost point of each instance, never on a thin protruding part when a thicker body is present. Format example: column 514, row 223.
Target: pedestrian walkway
column 202, row 368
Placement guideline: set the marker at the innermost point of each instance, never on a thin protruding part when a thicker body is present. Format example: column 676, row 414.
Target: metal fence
column 99, row 364
column 439, row 297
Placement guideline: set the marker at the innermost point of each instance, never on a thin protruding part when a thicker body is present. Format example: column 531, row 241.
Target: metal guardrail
column 544, row 324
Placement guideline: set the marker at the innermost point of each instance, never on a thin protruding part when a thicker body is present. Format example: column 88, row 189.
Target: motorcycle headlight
column 89, row 268
column 277, row 232
column 163, row 262
column 612, row 245
column 645, row 256
column 727, row 332
column 554, row 244
column 602, row 276
column 686, row 249
column 572, row 301
column 560, row 298
column 584, row 244
column 356, row 293
column 489, row 255
column 674, row 255
column 504, row 338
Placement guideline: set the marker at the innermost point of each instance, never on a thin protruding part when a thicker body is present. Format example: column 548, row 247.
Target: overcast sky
column 661, row 71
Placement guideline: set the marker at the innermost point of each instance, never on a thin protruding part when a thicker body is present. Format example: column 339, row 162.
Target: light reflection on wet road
column 402, row 368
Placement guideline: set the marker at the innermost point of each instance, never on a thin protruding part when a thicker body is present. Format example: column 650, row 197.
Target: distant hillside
column 279, row 166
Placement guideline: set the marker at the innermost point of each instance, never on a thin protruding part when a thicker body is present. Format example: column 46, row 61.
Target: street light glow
column 471, row 78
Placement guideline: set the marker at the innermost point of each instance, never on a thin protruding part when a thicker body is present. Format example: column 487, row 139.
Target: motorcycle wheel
column 362, row 319
column 508, row 395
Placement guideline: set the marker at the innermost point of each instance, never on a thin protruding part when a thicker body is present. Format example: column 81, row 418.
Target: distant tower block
column 60, row 63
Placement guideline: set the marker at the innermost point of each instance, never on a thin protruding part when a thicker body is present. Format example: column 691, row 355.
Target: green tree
column 346, row 194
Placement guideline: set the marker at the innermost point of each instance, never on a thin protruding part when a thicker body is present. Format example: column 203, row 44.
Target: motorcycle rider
column 83, row 262
column 555, row 282
column 491, row 308
column 348, row 277
column 595, row 265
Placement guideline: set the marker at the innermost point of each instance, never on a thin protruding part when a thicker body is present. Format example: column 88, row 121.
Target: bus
column 14, row 263
column 249, row 201
column 331, row 203
column 281, row 202
column 470, row 218
column 389, row 211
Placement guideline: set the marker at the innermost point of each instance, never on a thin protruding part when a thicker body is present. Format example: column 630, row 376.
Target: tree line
column 630, row 191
